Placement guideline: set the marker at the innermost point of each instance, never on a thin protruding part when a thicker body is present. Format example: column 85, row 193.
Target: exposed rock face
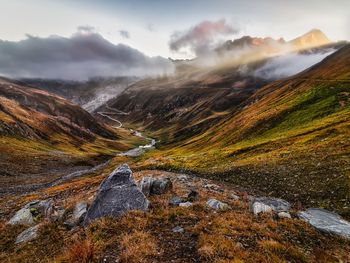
column 217, row 205
column 116, row 195
column 276, row 204
column 28, row 234
column 326, row 221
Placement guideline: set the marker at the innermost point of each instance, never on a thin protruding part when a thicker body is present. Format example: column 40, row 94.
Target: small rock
column 175, row 201
column 234, row 197
column 217, row 205
column 58, row 213
column 178, row 229
column 284, row 215
column 277, row 204
column 28, row 234
column 145, row 185
column 326, row 221
column 161, row 186
column 213, row 187
column 193, row 196
column 185, row 204
column 258, row 207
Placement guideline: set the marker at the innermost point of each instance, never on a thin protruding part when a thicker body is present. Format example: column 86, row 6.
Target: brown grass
column 81, row 252
column 137, row 247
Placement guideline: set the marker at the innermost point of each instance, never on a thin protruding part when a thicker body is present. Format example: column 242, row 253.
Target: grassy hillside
column 291, row 139
column 44, row 136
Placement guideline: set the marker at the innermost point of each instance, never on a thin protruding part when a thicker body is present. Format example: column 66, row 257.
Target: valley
column 215, row 163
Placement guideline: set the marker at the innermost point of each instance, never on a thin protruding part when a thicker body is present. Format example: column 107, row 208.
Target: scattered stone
column 161, row 186
column 258, row 207
column 213, row 187
column 116, row 195
column 28, row 234
column 284, row 215
column 185, row 204
column 193, row 196
column 217, row 205
column 22, row 217
column 175, row 201
column 234, row 197
column 178, row 229
column 326, row 221
column 276, row 204
column 145, row 185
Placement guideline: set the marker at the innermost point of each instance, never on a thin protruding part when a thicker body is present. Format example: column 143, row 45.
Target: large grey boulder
column 276, row 204
column 116, row 195
column 28, row 234
column 326, row 221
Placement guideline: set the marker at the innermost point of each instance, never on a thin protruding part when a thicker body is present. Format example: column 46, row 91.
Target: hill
column 289, row 139
column 56, row 135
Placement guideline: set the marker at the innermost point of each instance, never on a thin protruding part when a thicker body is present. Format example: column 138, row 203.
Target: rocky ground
column 180, row 218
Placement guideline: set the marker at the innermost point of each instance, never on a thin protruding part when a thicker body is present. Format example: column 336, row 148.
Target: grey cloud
column 84, row 55
column 202, row 37
column 124, row 33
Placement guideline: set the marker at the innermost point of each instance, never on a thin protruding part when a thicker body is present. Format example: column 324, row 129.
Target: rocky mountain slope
column 290, row 139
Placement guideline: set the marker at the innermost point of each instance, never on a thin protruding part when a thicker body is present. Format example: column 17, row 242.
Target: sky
column 149, row 25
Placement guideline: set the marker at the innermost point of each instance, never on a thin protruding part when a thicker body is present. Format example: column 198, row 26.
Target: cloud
column 84, row 55
column 289, row 64
column 201, row 38
column 124, row 34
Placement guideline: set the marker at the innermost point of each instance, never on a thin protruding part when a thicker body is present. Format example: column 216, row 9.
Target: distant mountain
column 312, row 38
column 88, row 94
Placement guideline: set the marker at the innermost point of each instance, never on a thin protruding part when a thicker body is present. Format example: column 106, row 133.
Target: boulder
column 22, row 217
column 258, row 207
column 116, row 195
column 161, row 186
column 32, row 211
column 234, row 197
column 28, row 234
column 326, row 221
column 276, row 204
column 217, row 205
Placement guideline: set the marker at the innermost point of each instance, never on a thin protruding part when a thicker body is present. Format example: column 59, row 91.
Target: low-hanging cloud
column 289, row 64
column 84, row 55
column 201, row 38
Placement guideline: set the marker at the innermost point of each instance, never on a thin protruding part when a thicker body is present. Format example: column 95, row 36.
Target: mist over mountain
column 84, row 55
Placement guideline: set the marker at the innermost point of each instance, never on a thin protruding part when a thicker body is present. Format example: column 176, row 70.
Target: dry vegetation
column 228, row 236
